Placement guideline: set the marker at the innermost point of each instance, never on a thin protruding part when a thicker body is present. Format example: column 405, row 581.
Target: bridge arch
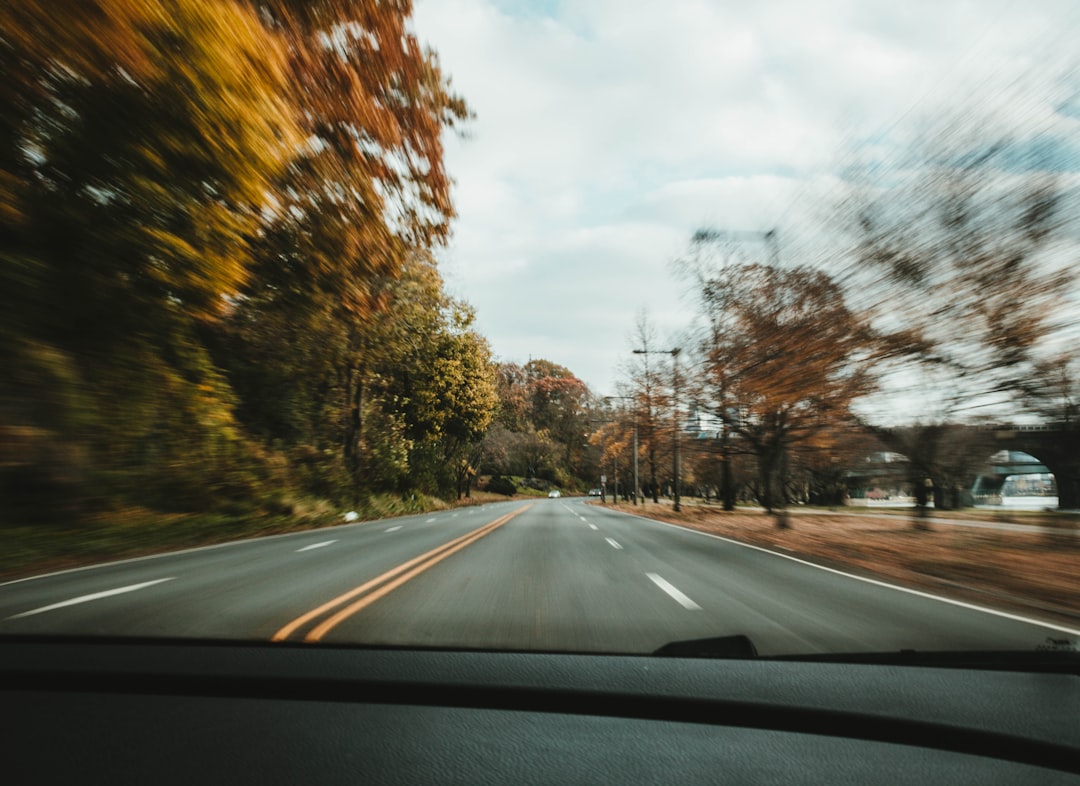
column 1056, row 446
column 1014, row 478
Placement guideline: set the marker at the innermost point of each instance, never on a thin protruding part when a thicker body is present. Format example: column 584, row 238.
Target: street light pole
column 675, row 410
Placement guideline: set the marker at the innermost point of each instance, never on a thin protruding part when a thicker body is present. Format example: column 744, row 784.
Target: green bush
column 501, row 485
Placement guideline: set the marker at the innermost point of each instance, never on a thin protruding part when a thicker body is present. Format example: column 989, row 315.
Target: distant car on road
column 595, row 493
column 554, row 493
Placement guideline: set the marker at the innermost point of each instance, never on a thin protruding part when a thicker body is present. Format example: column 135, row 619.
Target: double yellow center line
column 383, row 585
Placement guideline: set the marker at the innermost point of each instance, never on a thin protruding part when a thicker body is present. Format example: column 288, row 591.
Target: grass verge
column 133, row 532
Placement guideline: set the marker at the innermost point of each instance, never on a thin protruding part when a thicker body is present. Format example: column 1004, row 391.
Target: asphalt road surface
column 554, row 574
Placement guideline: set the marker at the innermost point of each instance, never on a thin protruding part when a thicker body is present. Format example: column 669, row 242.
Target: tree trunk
column 353, row 433
column 652, row 476
column 922, row 497
column 780, row 508
column 771, row 463
column 727, row 486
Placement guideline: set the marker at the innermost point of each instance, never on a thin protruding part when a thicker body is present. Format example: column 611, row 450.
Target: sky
column 607, row 131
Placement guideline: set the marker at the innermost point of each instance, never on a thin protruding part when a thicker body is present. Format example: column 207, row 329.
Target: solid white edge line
column 212, row 546
column 316, row 545
column 679, row 596
column 920, row 593
column 88, row 598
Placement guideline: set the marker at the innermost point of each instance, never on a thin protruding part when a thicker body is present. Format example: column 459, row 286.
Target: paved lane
column 555, row 574
column 786, row 605
column 570, row 576
column 237, row 590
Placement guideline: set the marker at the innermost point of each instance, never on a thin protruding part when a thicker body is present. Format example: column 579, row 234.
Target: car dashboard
column 167, row 711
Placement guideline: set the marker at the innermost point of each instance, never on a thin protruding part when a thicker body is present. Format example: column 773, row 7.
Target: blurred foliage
column 541, row 426
column 965, row 249
column 951, row 291
column 216, row 286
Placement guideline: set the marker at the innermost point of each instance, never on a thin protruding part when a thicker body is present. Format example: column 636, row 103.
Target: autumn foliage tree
column 140, row 142
column 213, row 217
column 344, row 251
column 540, row 429
column 369, row 183
column 785, row 360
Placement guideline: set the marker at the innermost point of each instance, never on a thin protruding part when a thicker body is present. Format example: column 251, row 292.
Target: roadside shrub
column 501, row 485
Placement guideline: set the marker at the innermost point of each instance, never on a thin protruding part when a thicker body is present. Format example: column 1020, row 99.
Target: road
column 554, row 574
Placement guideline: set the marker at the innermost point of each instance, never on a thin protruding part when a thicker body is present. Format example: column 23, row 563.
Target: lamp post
column 637, row 487
column 675, row 387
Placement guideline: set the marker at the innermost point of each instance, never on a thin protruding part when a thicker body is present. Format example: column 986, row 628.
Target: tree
column 964, row 242
column 444, row 388
column 139, row 143
column 560, row 404
column 343, row 271
column 143, row 192
column 543, row 416
column 785, row 362
column 648, row 389
column 512, row 382
column 1052, row 392
column 369, row 187
column 216, row 221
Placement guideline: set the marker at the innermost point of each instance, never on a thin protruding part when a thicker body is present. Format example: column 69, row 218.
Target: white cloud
column 608, row 130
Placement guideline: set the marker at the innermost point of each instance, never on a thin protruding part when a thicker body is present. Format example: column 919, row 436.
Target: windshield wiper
column 717, row 647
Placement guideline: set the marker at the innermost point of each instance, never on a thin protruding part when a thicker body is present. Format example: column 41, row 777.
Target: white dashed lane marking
column 317, row 545
column 674, row 592
column 88, row 598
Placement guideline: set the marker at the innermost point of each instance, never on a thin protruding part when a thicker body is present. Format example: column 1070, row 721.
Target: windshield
column 577, row 327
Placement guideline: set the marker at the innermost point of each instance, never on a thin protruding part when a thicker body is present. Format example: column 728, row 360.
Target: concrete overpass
column 1055, row 445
